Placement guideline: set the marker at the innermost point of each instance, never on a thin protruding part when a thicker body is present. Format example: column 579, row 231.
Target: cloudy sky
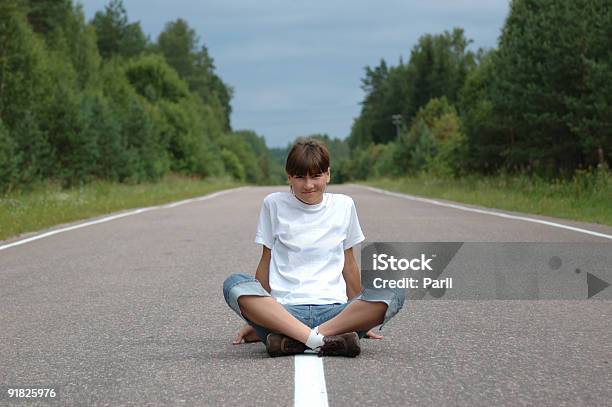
column 296, row 66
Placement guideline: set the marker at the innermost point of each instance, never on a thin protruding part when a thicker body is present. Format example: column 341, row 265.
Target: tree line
column 91, row 100
column 540, row 103
column 99, row 100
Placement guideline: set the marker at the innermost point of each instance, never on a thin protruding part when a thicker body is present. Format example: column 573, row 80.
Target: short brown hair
column 307, row 157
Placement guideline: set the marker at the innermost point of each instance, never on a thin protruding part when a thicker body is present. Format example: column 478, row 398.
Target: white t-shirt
column 308, row 243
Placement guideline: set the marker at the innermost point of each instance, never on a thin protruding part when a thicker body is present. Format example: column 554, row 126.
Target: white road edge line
column 486, row 212
column 121, row 215
column 310, row 388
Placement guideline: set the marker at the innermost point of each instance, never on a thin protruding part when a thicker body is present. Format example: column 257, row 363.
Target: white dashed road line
column 310, row 389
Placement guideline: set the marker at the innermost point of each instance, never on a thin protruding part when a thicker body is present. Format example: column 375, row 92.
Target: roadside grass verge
column 586, row 197
column 48, row 204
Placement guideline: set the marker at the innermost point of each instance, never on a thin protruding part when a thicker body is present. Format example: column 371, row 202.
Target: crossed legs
column 265, row 311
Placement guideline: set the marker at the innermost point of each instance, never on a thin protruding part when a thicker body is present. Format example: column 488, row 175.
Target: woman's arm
column 352, row 277
column 351, row 274
column 263, row 269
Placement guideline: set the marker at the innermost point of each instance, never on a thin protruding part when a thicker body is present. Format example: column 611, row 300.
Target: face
column 309, row 188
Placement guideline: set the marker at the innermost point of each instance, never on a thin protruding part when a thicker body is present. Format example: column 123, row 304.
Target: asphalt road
column 130, row 312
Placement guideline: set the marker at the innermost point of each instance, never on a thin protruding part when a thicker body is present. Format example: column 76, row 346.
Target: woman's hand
column 371, row 335
column 246, row 333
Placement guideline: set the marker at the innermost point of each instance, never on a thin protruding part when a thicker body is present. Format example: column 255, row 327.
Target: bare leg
column 266, row 312
column 357, row 316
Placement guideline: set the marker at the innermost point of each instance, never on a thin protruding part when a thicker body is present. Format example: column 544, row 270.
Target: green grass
column 586, row 197
column 48, row 204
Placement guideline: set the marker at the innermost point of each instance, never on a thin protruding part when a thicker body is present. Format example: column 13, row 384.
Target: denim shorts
column 238, row 285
